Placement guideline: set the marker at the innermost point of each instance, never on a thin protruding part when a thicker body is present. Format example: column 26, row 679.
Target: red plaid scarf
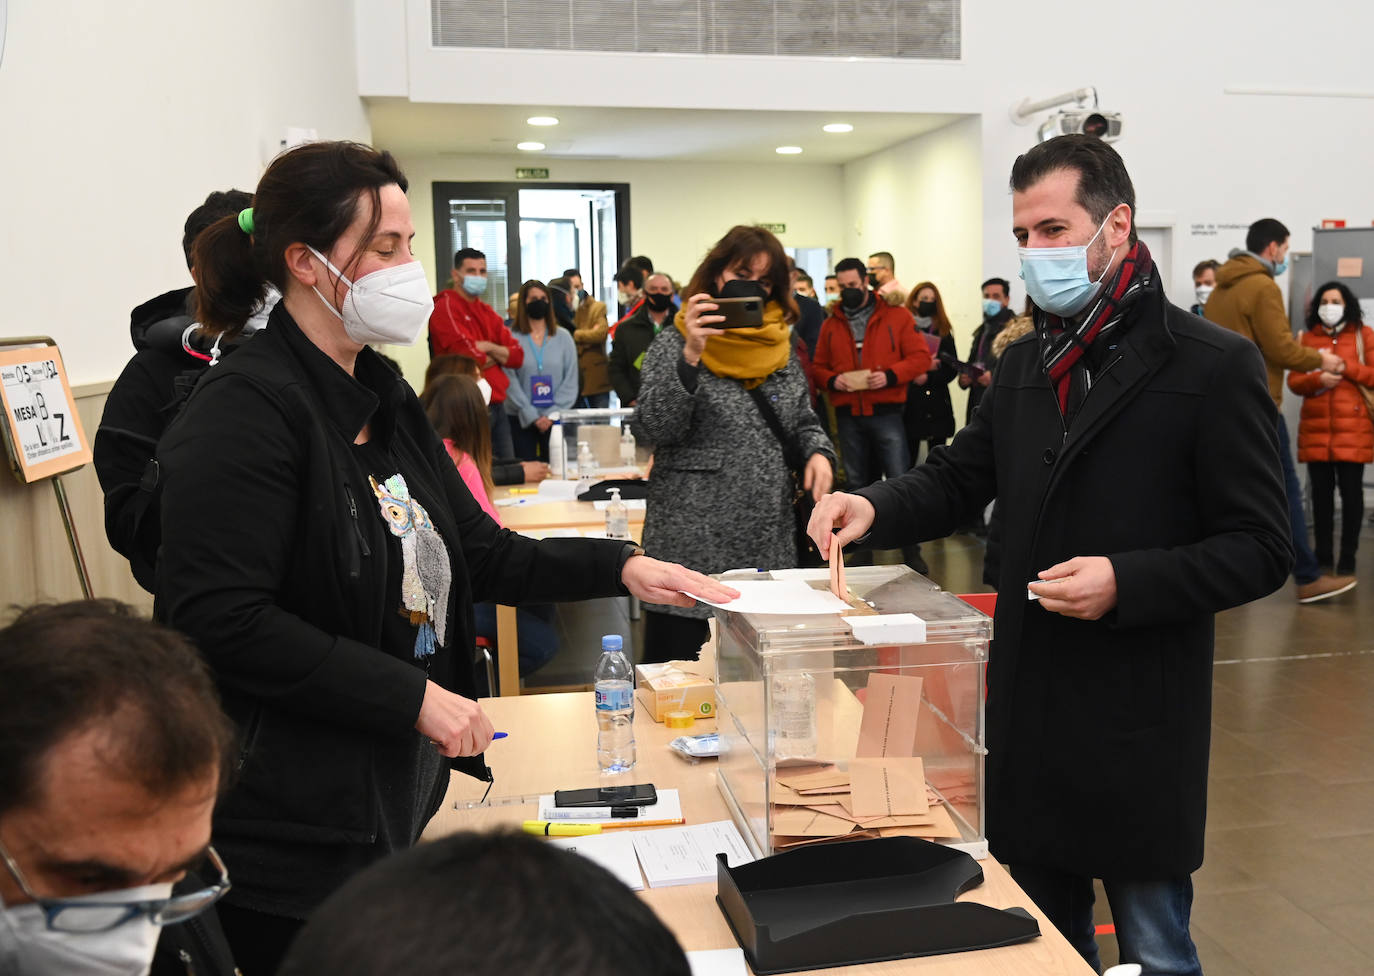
column 1063, row 343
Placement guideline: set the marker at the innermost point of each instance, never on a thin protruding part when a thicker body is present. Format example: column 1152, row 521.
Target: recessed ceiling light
column 529, row 146
column 542, row 120
column 788, row 150
column 837, row 127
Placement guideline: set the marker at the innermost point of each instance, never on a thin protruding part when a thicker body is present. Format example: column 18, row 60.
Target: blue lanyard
column 537, row 351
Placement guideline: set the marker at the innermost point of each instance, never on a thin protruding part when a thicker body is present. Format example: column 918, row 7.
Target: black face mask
column 537, row 309
column 926, row 309
column 872, row 280
column 853, row 297
column 739, row 288
column 658, row 302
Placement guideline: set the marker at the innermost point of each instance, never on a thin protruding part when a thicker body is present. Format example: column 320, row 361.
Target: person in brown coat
column 589, row 328
column 1247, row 300
column 1336, row 434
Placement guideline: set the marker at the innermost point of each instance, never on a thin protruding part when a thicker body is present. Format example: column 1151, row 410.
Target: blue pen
column 498, row 735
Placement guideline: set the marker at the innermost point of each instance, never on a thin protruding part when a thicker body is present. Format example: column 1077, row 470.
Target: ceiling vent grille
column 926, row 29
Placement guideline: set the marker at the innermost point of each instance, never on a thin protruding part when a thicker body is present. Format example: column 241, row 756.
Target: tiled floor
column 1288, row 884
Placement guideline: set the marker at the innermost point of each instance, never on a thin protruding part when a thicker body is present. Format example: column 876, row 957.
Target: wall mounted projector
column 1084, row 118
column 1105, row 125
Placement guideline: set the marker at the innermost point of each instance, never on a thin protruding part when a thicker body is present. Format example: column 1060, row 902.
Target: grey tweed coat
column 720, row 496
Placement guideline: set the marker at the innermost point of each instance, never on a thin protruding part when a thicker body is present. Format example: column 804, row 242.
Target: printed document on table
column 789, row 596
column 687, row 855
column 615, row 852
column 717, row 962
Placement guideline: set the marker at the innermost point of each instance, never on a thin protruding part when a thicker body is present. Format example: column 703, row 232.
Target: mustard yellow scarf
column 747, row 355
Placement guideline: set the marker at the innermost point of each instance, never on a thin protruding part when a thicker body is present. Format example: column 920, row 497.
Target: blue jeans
column 1151, row 917
column 534, row 630
column 872, row 447
column 1305, row 568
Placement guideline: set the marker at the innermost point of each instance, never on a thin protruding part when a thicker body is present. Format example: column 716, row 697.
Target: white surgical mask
column 27, row 945
column 1057, row 277
column 1203, row 293
column 485, row 387
column 1331, row 314
column 390, row 305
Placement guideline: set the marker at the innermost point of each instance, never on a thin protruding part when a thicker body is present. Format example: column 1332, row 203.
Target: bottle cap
column 615, row 494
column 612, row 642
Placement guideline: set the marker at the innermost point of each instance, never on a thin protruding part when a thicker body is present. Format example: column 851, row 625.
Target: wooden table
column 552, row 745
column 538, row 520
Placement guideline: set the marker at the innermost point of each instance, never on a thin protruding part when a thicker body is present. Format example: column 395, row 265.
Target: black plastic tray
column 858, row 902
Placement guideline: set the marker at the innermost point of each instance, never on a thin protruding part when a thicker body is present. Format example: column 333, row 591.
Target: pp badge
column 541, row 391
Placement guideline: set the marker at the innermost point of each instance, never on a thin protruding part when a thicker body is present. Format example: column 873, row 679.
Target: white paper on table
column 556, row 532
column 557, row 490
column 687, row 855
column 668, row 807
column 631, row 504
column 510, row 500
column 717, row 962
column 615, row 852
column 779, row 596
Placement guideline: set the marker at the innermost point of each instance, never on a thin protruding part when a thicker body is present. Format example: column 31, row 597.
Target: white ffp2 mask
column 27, row 945
column 390, row 305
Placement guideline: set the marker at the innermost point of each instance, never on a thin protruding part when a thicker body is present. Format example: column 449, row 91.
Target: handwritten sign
column 42, row 430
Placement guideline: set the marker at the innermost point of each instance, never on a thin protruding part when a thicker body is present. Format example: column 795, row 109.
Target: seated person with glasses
column 113, row 751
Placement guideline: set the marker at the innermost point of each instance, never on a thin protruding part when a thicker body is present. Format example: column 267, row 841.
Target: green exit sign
column 775, row 228
column 531, row 173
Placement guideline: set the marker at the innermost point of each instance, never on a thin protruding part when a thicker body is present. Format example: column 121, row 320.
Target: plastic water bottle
column 557, row 465
column 627, row 446
column 586, row 460
column 617, row 517
column 615, row 707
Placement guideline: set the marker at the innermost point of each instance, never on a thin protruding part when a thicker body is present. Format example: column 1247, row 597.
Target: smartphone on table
column 639, row 795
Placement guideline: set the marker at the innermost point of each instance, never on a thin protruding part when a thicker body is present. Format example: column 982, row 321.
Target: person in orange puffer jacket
column 1336, row 432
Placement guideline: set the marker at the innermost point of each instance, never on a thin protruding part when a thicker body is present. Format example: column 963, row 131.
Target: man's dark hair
column 65, row 667
column 641, row 262
column 830, row 277
column 219, row 204
column 886, row 258
column 850, row 264
column 630, row 275
column 1103, row 183
column 1006, row 286
column 1207, row 265
column 528, row 907
column 464, row 253
column 803, row 276
column 572, row 273
column 1264, row 232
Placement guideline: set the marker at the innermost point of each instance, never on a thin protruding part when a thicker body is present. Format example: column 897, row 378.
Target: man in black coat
column 1133, row 451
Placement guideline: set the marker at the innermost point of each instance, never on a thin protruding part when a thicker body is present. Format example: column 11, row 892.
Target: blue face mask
column 1057, row 277
column 474, row 285
column 991, row 307
column 1281, row 267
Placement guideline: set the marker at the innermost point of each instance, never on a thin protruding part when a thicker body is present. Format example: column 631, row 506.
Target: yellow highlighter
column 560, row 828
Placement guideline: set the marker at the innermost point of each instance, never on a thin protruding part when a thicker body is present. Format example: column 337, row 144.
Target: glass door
column 481, row 222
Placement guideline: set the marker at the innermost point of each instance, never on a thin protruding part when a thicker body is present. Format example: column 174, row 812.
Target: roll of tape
column 679, row 720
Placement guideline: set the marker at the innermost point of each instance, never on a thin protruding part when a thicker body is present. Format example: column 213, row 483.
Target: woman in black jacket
column 929, row 414
column 320, row 547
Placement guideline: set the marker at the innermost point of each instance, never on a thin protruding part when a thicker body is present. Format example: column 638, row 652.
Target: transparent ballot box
column 602, row 429
column 825, row 736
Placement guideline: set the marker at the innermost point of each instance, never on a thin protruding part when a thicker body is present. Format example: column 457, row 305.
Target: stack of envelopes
column 882, row 793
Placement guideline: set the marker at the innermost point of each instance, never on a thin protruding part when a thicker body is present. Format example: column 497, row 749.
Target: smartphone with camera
column 639, row 795
column 740, row 313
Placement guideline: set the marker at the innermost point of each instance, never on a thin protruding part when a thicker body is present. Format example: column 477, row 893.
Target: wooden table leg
column 507, row 651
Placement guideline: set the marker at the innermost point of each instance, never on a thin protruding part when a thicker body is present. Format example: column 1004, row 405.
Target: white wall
column 922, row 201
column 1197, row 154
column 677, row 210
column 119, row 118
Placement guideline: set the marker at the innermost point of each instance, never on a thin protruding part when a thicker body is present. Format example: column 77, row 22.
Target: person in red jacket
column 867, row 355
column 1335, row 433
column 464, row 325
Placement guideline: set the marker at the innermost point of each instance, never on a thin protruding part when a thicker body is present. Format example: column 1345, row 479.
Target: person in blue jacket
column 546, row 382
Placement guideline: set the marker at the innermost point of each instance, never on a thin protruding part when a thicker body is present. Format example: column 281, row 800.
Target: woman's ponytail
column 229, row 286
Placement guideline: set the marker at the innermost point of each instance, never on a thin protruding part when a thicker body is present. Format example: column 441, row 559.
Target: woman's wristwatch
column 630, row 549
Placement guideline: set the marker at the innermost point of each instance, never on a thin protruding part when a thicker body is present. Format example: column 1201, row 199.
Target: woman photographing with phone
column 721, row 492
column 320, row 548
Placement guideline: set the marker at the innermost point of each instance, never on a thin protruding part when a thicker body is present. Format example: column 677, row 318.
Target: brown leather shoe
column 1324, row 587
